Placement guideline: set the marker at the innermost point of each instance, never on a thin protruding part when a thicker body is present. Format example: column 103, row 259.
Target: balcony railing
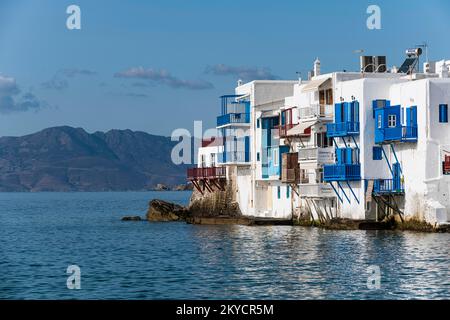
column 388, row 186
column 322, row 155
column 233, row 157
column 315, row 190
column 233, row 118
column 282, row 130
column 342, row 172
column 206, row 173
column 342, row 129
column 404, row 134
column 316, row 111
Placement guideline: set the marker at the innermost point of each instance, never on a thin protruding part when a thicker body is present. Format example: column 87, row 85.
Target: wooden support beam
column 197, row 186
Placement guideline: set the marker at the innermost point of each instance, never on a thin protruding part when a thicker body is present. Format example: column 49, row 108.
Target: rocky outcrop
column 163, row 211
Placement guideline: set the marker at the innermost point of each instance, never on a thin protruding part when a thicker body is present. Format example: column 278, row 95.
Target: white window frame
column 203, row 161
column 392, row 121
column 275, row 158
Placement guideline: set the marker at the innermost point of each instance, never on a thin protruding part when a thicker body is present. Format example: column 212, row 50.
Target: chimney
column 444, row 70
column 316, row 67
column 239, row 83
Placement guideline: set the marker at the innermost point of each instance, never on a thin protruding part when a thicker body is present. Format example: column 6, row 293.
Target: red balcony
column 446, row 165
column 283, row 129
column 286, row 121
column 206, row 173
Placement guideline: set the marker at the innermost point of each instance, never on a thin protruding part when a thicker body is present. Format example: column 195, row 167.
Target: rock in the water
column 184, row 187
column 163, row 211
column 161, row 187
column 132, row 218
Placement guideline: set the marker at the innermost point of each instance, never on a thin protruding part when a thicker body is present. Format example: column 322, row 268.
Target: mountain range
column 71, row 159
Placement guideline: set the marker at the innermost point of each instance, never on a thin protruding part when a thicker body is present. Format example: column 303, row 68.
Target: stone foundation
column 216, row 203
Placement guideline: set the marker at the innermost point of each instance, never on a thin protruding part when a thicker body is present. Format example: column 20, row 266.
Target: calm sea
column 41, row 234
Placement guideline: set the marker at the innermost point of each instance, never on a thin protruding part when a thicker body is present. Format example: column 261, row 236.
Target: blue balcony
column 396, row 134
column 388, row 186
column 233, row 118
column 233, row 157
column 342, row 129
column 342, row 172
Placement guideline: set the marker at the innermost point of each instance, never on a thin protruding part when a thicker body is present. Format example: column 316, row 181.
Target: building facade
column 353, row 145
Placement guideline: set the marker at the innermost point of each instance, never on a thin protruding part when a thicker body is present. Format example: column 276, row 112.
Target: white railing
column 315, row 190
column 323, row 155
column 316, row 111
column 308, row 153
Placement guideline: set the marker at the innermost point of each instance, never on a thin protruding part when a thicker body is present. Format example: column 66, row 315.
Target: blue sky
column 159, row 65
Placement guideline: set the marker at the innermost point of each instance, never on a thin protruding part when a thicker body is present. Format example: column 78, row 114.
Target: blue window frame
column 279, row 192
column 443, row 113
column 377, row 153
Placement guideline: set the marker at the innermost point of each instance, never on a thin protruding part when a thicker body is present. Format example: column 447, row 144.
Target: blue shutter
column 377, row 153
column 349, row 156
column 443, row 113
column 337, row 112
column 339, row 155
column 247, row 149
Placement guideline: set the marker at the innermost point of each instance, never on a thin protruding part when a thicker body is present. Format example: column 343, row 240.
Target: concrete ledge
column 245, row 221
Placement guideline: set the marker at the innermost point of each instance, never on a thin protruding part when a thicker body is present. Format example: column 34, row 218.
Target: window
column 257, row 156
column 319, row 175
column 213, row 159
column 257, row 124
column 377, row 153
column 275, row 157
column 203, row 162
column 279, row 192
column 329, row 96
column 380, row 121
column 443, row 113
column 287, row 192
column 323, row 141
column 392, row 121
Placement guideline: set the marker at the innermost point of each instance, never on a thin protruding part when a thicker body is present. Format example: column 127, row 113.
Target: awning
column 314, row 85
column 299, row 130
column 270, row 114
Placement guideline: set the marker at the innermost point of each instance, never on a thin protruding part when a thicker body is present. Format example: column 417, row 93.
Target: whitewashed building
column 358, row 145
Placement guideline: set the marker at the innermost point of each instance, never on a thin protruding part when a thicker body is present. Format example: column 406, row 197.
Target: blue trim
column 335, row 191
column 387, row 161
column 354, row 140
column 396, row 159
column 342, row 189
column 351, row 190
column 345, row 143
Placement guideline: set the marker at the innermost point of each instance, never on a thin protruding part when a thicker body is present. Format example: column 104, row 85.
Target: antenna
column 299, row 75
column 424, row 45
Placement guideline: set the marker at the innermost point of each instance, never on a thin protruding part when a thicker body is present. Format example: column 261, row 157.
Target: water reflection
column 41, row 234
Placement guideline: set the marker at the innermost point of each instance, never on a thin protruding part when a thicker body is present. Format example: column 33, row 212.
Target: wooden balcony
column 206, row 173
column 290, row 169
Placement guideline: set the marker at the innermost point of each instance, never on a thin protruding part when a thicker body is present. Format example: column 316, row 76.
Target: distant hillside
column 69, row 159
